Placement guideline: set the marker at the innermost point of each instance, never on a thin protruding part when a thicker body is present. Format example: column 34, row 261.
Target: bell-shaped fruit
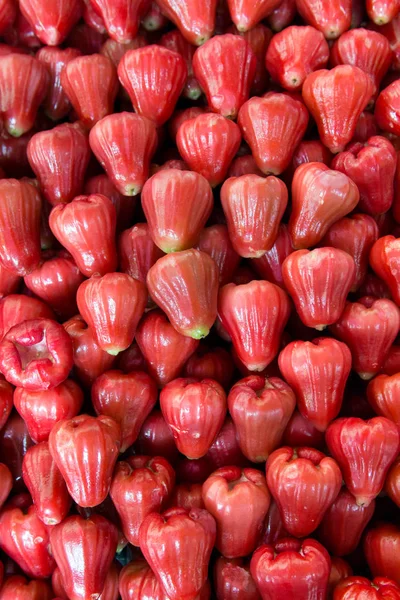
column 369, row 328
column 41, row 410
column 371, row 166
column 24, row 82
column 317, row 372
column 254, row 315
column 46, row 485
column 238, row 499
column 137, row 251
column 36, row 355
column 346, row 88
column 127, row 398
column 91, row 85
column 354, row 587
column 196, row 21
column 85, row 450
column 208, row 143
column 294, row 53
column 19, row 226
column 319, row 281
column 273, row 126
column 260, row 409
column 382, row 11
column 121, row 18
column 154, row 78
column 343, row 524
column 247, row 14
column 177, row 205
column 355, row 235
column 112, row 140
column 84, row 550
column 86, row 228
column 164, row 349
column 365, row 451
column 291, row 568
column 51, row 23
column 185, row 285
column 59, row 158
column 195, row 412
column 112, row 306
column 332, row 19
column 320, row 197
column 253, row 207
column 225, row 68
column 56, row 103
column 177, row 545
column 304, row 483
column 140, row 486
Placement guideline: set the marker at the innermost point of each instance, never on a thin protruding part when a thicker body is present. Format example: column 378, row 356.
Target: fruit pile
column 199, row 300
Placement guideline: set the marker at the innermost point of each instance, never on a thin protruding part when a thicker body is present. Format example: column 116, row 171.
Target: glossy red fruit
column 112, row 139
column 56, row 103
column 317, row 372
column 177, row 545
column 216, row 242
column 167, row 72
column 297, row 569
column 263, row 304
column 371, row 166
column 225, row 450
column 187, row 495
column 140, row 486
column 340, row 569
column 349, row 89
column 90, row 360
column 392, row 484
column 8, row 12
column 343, row 524
column 137, row 251
column 383, row 393
column 195, row 412
column 210, row 363
column 273, row 126
column 381, row 549
column 384, row 259
column 310, row 219
column 382, row 12
column 85, row 450
column 260, row 408
column 191, row 315
column 239, row 501
column 387, row 108
column 364, row 450
column 332, row 19
column 84, row 550
column 6, row 480
column 225, row 68
column 368, row 50
column 18, row 587
column 127, row 398
column 245, row 15
column 165, row 350
column 91, row 85
column 353, row 588
column 36, row 354
column 304, row 483
column 244, row 165
column 46, row 485
column 14, row 443
column 121, row 18
column 355, row 235
column 86, row 228
column 233, row 581
column 51, row 24
column 9, row 282
column 196, row 21
column 23, row 87
column 19, row 226
column 112, row 306
column 269, row 265
column 25, row 539
column 253, row 207
column 294, row 53
column 59, row 158
column 6, row 402
column 174, row 40
column 42, row 409
column 319, row 281
column 369, row 328
column 177, row 205
column 56, row 282
column 208, row 143
column 301, row 432
column 156, row 439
